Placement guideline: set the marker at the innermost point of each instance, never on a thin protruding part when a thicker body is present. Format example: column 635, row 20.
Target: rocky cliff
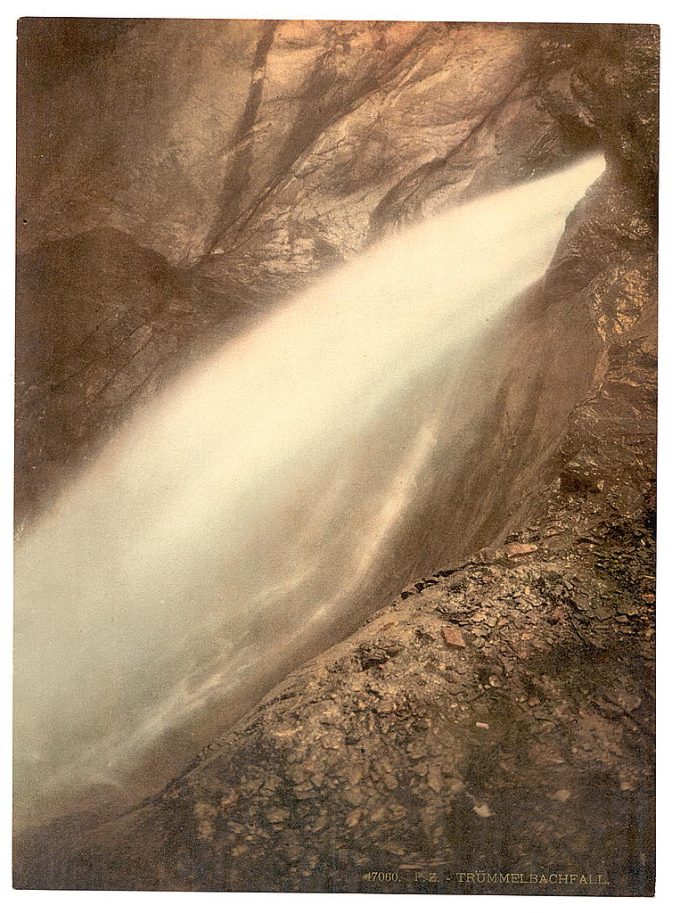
column 176, row 180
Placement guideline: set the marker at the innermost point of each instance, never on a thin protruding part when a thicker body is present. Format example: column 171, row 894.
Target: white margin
column 669, row 503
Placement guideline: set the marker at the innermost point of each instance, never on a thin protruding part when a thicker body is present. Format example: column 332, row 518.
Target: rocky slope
column 498, row 717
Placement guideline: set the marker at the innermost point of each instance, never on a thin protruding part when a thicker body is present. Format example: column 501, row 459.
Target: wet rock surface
column 498, row 721
column 498, row 717
column 237, row 160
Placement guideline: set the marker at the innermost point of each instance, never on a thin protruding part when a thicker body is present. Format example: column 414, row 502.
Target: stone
column 453, row 637
column 561, row 795
column 277, row 815
column 353, row 818
column 482, row 810
column 520, row 548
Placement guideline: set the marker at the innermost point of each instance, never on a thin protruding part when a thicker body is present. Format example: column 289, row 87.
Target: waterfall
column 262, row 503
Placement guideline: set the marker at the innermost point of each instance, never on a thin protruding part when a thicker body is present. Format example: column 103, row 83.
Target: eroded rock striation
column 177, row 179
column 498, row 716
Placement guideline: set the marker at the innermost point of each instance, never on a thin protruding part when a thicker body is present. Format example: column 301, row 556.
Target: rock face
column 175, row 179
column 497, row 718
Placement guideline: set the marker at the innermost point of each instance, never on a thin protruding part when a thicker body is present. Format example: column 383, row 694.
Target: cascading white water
column 251, row 511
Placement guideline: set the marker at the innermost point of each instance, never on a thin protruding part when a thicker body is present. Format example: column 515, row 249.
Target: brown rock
column 354, row 817
column 520, row 548
column 278, row 814
column 453, row 637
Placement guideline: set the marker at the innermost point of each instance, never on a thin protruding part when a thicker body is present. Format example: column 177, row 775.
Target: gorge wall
column 177, row 181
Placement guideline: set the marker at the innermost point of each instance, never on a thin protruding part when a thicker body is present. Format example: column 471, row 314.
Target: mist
column 257, row 509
